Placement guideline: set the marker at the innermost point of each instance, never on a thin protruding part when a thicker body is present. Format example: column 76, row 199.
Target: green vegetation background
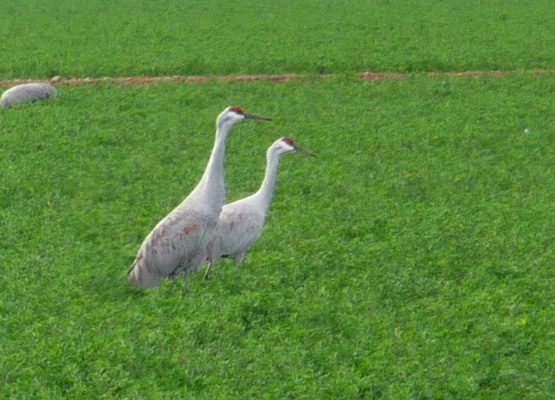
column 40, row 39
column 413, row 259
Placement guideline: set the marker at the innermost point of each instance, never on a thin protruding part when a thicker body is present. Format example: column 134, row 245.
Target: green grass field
column 127, row 38
column 412, row 259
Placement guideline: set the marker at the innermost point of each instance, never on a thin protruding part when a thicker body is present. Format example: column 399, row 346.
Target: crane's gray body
column 239, row 226
column 27, row 92
column 172, row 246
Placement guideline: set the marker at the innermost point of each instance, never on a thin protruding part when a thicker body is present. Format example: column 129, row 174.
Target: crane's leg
column 213, row 247
column 207, row 275
column 186, row 286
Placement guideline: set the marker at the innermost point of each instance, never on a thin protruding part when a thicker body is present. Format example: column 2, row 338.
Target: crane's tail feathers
column 140, row 276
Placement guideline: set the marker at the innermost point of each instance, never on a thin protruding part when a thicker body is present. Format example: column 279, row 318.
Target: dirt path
column 369, row 76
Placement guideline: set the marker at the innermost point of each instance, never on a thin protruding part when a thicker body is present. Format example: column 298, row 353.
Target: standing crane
column 241, row 222
column 178, row 242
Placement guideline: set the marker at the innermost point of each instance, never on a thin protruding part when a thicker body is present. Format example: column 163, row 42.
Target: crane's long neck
column 211, row 184
column 266, row 191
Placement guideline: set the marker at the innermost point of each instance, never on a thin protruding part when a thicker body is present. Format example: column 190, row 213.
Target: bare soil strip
column 367, row 76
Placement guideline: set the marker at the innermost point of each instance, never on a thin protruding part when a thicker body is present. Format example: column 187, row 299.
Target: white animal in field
column 27, row 92
column 178, row 242
column 241, row 222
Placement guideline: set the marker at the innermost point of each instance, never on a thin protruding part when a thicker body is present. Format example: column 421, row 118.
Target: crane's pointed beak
column 300, row 149
column 260, row 117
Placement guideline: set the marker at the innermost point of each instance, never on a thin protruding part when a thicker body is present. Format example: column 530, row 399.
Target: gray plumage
column 177, row 243
column 26, row 93
column 240, row 223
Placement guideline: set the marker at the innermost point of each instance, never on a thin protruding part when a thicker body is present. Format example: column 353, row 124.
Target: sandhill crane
column 27, row 92
column 241, row 222
column 178, row 242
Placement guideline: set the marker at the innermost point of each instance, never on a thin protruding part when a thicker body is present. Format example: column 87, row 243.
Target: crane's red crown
column 236, row 110
column 289, row 141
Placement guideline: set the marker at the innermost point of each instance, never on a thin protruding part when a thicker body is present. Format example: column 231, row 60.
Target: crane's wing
column 176, row 242
column 238, row 227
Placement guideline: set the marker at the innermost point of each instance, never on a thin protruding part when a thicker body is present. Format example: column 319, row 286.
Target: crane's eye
column 236, row 110
column 289, row 141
